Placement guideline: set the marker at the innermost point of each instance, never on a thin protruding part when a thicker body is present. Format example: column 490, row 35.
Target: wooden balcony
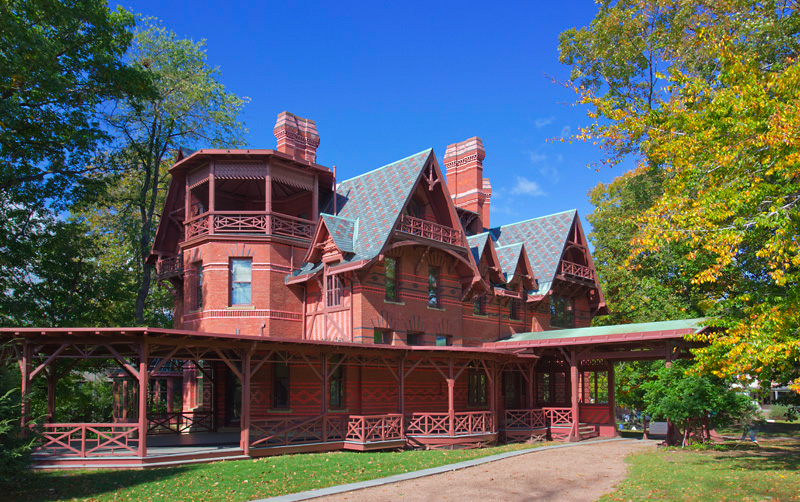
column 169, row 267
column 573, row 270
column 430, row 230
column 248, row 223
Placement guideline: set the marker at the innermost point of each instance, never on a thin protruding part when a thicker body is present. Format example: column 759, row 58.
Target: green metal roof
column 695, row 325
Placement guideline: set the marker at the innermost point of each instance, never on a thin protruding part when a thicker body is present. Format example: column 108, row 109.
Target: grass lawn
column 734, row 471
column 236, row 480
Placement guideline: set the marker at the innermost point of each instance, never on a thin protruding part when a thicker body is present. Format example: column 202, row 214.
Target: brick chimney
column 470, row 191
column 297, row 136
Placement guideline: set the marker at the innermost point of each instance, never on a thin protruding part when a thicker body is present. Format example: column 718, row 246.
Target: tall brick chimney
column 297, row 136
column 470, row 191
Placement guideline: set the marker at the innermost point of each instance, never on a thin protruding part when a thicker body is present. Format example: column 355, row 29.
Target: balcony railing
column 439, row 424
column 248, row 222
column 575, row 270
column 374, row 428
column 88, row 439
column 169, row 267
column 429, row 230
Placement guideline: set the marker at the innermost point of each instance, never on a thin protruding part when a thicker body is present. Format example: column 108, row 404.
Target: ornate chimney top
column 297, row 136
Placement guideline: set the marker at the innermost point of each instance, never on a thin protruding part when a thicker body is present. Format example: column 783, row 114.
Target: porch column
column 143, row 374
column 493, row 394
column 25, row 369
column 401, row 386
column 187, row 208
column 244, row 441
column 212, row 198
column 451, row 403
column 531, row 386
column 268, row 198
column 324, row 399
column 574, row 376
column 612, row 406
column 51, row 393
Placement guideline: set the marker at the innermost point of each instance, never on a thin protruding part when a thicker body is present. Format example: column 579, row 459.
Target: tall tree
column 722, row 128
column 191, row 107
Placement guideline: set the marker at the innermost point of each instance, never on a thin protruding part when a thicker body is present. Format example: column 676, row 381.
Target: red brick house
column 375, row 312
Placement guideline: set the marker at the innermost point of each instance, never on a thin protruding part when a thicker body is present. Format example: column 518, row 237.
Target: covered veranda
column 343, row 396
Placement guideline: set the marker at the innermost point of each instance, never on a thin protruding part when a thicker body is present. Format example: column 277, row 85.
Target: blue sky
column 386, row 80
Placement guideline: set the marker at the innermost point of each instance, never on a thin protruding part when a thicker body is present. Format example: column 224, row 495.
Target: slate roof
column 372, row 202
column 342, row 230
column 476, row 244
column 544, row 240
column 663, row 327
column 509, row 257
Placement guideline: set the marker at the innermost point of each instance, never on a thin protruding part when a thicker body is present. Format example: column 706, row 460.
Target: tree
column 190, row 107
column 695, row 404
column 722, row 126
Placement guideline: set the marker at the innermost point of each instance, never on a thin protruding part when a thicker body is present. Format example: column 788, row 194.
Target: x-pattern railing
column 178, row 422
column 525, row 419
column 240, row 224
column 429, row 230
column 86, row 439
column 298, row 430
column 292, row 227
column 569, row 268
column 429, row 424
column 558, row 416
column 366, row 428
column 473, row 422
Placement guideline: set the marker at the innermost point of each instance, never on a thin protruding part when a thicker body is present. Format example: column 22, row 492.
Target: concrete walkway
column 571, row 471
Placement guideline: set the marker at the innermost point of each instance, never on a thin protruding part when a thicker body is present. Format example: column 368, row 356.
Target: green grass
column 734, row 471
column 777, row 429
column 233, row 481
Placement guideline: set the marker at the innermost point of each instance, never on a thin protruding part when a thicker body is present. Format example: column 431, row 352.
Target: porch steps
column 561, row 433
column 132, row 462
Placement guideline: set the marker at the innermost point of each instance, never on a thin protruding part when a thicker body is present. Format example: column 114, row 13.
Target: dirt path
column 581, row 473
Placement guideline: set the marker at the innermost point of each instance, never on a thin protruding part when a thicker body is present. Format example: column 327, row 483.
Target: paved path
column 581, row 472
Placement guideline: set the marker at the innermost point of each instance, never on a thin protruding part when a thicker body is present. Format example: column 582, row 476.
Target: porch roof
column 604, row 334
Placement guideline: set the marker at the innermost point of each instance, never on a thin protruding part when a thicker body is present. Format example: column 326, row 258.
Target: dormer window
column 335, row 288
column 561, row 312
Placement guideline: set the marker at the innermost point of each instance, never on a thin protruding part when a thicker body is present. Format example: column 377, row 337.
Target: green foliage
column 781, row 412
column 82, row 395
column 14, row 450
column 692, row 402
column 704, row 95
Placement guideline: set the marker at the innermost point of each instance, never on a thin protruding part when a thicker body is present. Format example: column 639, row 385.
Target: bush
column 778, row 412
column 14, row 450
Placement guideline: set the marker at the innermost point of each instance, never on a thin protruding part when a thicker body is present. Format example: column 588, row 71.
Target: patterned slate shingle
column 342, row 231
column 509, row 257
column 544, row 240
column 477, row 244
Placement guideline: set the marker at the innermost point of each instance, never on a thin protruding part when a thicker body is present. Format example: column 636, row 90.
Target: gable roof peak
column 427, row 151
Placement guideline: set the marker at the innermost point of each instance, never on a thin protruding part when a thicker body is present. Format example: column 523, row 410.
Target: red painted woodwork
column 525, row 419
column 297, row 430
column 558, row 417
column 178, row 422
column 438, row 424
column 88, row 439
column 595, row 414
column 429, row 230
column 170, row 266
column 574, row 269
column 248, row 222
column 367, row 428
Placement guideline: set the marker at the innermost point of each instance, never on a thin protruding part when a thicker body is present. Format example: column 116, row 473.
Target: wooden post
column 531, row 386
column 51, row 393
column 25, row 369
column 244, row 441
column 493, row 394
column 315, row 199
column 451, row 403
column 187, row 209
column 612, row 407
column 268, row 198
column 574, row 435
column 143, row 374
column 212, row 197
column 324, row 399
column 401, row 385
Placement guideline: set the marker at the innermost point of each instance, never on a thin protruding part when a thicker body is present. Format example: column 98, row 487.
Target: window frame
column 477, row 388
column 198, row 286
column 275, row 379
column 382, row 336
column 447, row 339
column 334, row 289
column 479, row 305
column 336, row 395
column 434, row 287
column 561, row 312
column 391, row 284
column 232, row 282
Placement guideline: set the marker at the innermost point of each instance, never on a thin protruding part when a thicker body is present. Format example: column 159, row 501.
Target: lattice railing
column 170, row 266
column 169, row 423
column 473, row 422
column 429, row 230
column 237, row 223
column 292, row 227
column 88, row 440
column 524, row 419
column 297, row 430
column 558, row 417
column 428, row 424
column 197, row 226
column 582, row 271
column 367, row 428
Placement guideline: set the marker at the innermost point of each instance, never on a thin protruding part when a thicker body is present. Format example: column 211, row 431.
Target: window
column 433, row 287
column 543, row 388
column 390, row 265
column 383, row 337
column 337, row 383
column 414, row 338
column 561, row 312
column 198, row 295
column 594, row 388
column 240, row 273
column 335, row 287
column 444, row 340
column 280, row 384
column 476, row 388
column 513, row 309
column 479, row 305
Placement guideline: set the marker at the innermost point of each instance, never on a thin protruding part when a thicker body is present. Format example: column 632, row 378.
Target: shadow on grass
column 53, row 485
column 767, row 456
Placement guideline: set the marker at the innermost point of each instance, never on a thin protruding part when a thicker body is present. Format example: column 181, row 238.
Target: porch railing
column 558, row 417
column 524, row 419
column 171, row 266
column 438, row 424
column 88, row 440
column 248, row 222
column 177, row 422
column 297, row 430
column 369, row 428
column 429, row 230
column 573, row 269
